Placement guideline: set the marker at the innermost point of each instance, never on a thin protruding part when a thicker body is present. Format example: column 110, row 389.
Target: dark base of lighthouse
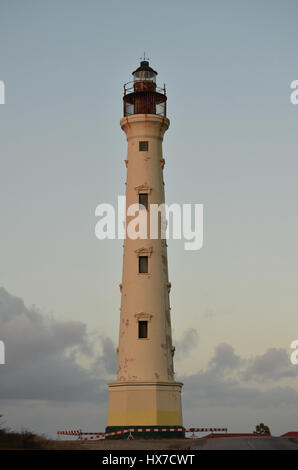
column 146, row 432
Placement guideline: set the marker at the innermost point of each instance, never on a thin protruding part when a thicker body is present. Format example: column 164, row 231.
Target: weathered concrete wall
column 145, row 391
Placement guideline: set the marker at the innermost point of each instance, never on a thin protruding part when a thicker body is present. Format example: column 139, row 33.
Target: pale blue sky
column 232, row 145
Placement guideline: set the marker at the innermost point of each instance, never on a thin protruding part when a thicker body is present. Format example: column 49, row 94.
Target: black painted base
column 145, row 433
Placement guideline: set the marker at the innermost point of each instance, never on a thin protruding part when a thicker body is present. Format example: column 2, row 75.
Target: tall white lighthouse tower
column 145, row 393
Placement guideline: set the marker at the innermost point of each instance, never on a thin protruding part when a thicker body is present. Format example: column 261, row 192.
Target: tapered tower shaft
column 145, row 393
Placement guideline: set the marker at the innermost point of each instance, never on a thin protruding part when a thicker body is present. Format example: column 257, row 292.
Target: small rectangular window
column 143, row 264
column 143, row 200
column 143, row 145
column 143, row 329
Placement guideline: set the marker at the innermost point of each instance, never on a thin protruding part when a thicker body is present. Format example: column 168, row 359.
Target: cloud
column 108, row 359
column 186, row 344
column 28, row 334
column 41, row 356
column 53, row 379
column 274, row 364
column 42, row 367
column 209, row 389
column 220, row 384
column 224, row 358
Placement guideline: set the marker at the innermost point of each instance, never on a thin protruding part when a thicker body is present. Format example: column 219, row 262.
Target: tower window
column 143, row 200
column 143, row 329
column 143, row 145
column 143, row 264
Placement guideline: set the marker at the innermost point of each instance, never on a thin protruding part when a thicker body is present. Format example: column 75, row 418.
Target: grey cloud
column 53, row 379
column 215, row 387
column 274, row 364
column 9, row 305
column 187, row 343
column 28, row 334
column 224, row 358
column 108, row 358
column 208, row 389
column 41, row 356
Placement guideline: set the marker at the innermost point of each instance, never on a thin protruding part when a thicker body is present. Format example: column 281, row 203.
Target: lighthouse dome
column 144, row 72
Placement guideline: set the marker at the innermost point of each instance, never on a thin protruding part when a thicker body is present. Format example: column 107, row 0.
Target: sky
column 231, row 145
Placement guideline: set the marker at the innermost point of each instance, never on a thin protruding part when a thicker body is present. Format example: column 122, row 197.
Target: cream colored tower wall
column 145, row 392
column 149, row 358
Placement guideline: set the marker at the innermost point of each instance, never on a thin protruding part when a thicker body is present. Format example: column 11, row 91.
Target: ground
column 233, row 443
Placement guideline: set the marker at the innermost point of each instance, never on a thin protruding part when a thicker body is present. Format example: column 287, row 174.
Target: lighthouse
column 145, row 394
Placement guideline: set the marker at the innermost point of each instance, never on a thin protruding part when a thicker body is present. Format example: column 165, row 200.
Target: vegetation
column 262, row 429
column 20, row 440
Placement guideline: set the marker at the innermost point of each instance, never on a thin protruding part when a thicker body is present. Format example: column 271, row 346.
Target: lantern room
column 142, row 96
